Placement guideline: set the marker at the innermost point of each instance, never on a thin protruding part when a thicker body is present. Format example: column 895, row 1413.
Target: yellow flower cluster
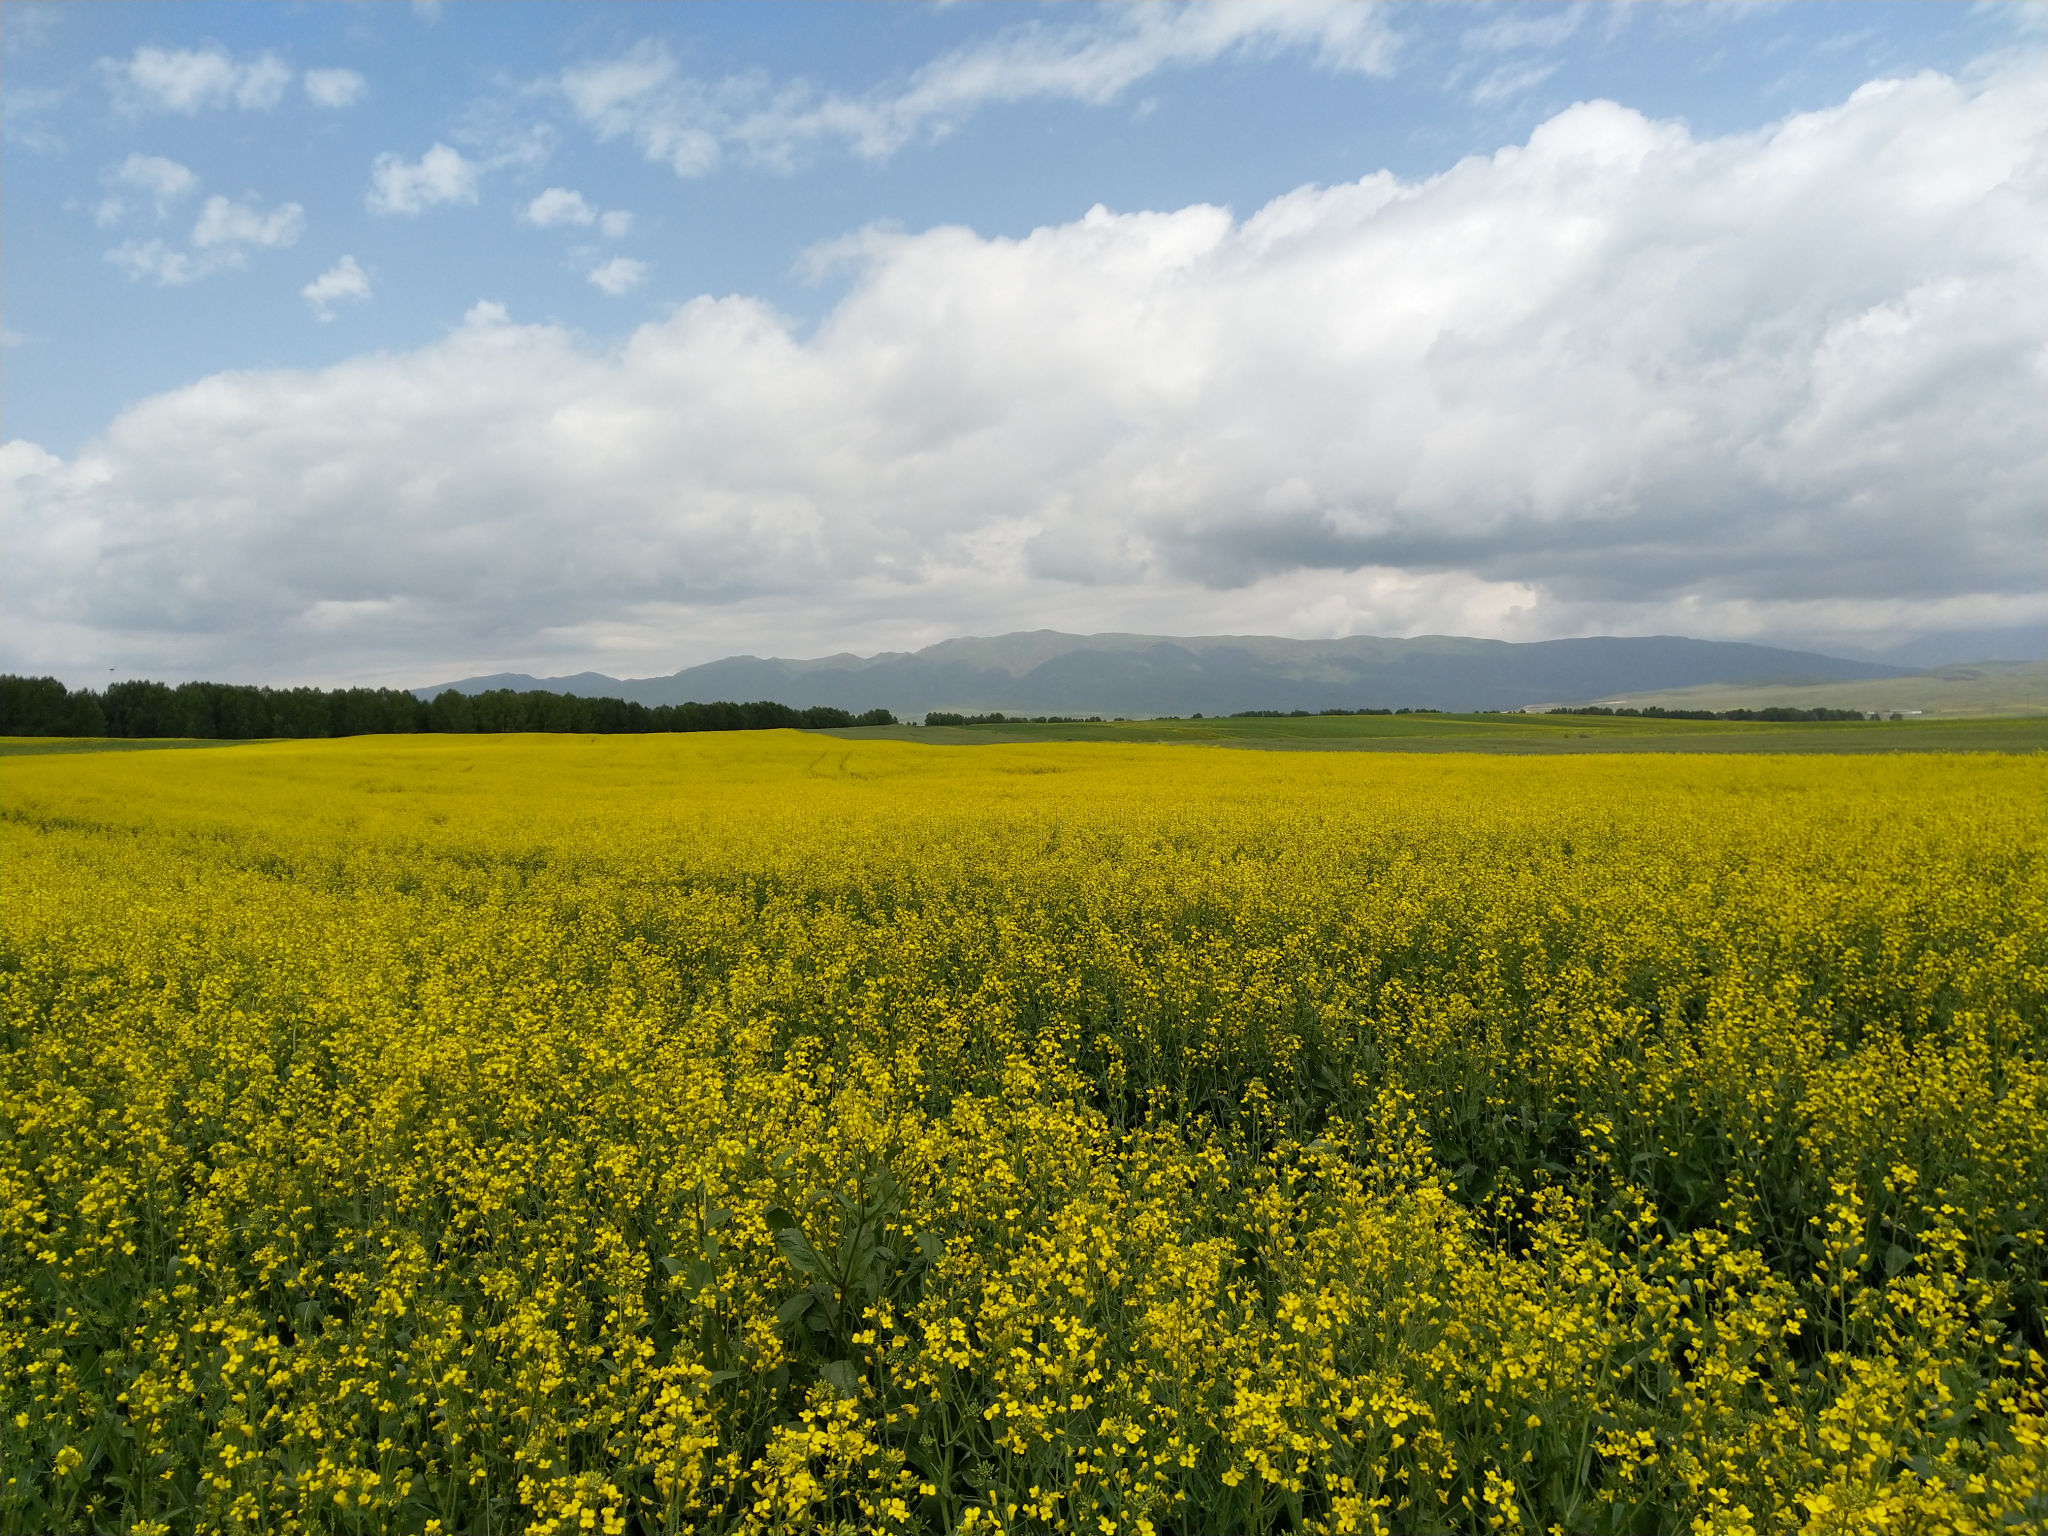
column 772, row 1133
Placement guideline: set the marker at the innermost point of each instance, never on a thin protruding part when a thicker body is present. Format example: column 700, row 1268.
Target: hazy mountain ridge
column 1959, row 648
column 1045, row 671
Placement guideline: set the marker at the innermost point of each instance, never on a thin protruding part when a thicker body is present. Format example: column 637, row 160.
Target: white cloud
column 229, row 225
column 619, row 276
column 191, row 80
column 168, row 265
column 500, row 132
column 1617, row 378
column 1524, row 31
column 222, row 238
column 638, row 96
column 344, row 281
column 334, row 87
column 689, row 124
column 559, row 205
column 1511, row 80
column 441, row 175
column 1526, row 27
column 161, row 180
column 164, row 180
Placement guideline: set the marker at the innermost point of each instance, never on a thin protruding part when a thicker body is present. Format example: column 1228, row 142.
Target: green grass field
column 1387, row 733
column 43, row 746
column 1513, row 733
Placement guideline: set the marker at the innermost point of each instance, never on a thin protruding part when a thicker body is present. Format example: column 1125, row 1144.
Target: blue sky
column 859, row 326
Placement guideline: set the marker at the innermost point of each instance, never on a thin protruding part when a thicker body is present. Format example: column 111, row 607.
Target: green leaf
column 796, row 1248
column 843, row 1374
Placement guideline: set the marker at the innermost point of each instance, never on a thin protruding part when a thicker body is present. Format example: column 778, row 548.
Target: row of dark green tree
column 1303, row 714
column 953, row 717
column 43, row 706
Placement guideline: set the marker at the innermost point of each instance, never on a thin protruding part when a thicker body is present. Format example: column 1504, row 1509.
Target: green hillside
column 1974, row 689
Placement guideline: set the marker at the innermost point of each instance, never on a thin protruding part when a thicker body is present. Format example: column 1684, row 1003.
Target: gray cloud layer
column 1782, row 384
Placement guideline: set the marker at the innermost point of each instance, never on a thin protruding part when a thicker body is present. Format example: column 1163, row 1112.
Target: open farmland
column 1433, row 732
column 773, row 1132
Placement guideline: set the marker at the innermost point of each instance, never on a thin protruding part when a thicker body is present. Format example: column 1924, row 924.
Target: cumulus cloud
column 334, row 88
column 222, row 238
column 224, row 224
column 559, row 205
column 1616, row 378
column 192, row 80
column 441, row 175
column 342, row 282
column 689, row 124
column 619, row 276
column 162, row 181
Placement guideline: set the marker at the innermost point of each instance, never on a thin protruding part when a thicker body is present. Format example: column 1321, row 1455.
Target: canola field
column 770, row 1133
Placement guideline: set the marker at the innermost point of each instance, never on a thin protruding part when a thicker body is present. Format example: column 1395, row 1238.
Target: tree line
column 43, row 706
column 953, row 717
column 1305, row 714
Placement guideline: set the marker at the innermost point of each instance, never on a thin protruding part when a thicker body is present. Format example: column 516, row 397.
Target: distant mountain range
column 1045, row 672
column 1961, row 647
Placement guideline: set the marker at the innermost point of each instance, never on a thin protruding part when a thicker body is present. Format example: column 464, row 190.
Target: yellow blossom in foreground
column 780, row 1133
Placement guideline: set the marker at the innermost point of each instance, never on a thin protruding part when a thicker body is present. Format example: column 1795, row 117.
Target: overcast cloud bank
column 1784, row 385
